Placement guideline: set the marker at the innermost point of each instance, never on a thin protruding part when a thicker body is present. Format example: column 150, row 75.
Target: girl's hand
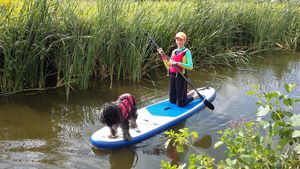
column 160, row 51
column 172, row 62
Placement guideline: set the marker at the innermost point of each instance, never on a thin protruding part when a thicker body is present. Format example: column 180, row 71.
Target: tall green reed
column 68, row 43
column 25, row 37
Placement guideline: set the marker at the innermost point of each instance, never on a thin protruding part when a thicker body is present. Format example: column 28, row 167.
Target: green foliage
column 53, row 43
column 180, row 139
column 167, row 165
column 272, row 141
column 200, row 161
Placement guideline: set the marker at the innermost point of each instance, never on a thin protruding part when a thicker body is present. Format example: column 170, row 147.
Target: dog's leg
column 125, row 130
column 133, row 122
column 133, row 117
column 113, row 132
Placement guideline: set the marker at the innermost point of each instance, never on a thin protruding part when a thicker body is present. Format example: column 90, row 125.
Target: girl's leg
column 182, row 98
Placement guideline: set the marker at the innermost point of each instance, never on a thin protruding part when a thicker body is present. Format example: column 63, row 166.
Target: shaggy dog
column 119, row 114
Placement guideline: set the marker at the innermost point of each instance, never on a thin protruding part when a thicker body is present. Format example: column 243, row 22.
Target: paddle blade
column 206, row 102
column 209, row 105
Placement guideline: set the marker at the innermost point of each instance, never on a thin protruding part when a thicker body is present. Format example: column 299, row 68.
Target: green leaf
column 272, row 94
column 167, row 133
column 258, row 139
column 296, row 133
column 288, row 101
column 179, row 148
column 220, row 132
column 251, row 93
column 281, row 97
column 297, row 100
column 250, row 124
column 257, row 86
column 277, row 116
column 297, row 149
column 259, row 102
column 289, row 87
column 282, row 143
column 286, row 132
column 218, row 144
column 295, row 120
column 246, row 158
column 262, row 111
column 289, row 114
column 184, row 132
column 275, row 128
column 194, row 134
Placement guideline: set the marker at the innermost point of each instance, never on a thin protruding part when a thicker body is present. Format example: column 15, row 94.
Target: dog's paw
column 112, row 136
column 133, row 125
column 127, row 137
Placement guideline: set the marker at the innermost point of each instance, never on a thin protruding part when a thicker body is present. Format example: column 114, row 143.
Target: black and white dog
column 120, row 113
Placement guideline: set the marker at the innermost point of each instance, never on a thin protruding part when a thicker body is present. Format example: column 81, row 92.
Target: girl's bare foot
column 191, row 93
column 195, row 96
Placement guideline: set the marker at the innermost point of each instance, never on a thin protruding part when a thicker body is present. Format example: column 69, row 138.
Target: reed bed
column 56, row 43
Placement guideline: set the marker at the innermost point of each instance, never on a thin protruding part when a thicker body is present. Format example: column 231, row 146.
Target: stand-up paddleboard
column 152, row 119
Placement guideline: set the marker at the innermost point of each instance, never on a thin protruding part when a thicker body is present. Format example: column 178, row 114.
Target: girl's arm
column 164, row 58
column 166, row 63
column 189, row 61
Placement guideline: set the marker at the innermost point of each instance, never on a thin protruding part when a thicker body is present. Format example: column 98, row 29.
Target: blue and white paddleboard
column 152, row 119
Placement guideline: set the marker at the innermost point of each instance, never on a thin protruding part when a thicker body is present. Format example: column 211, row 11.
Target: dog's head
column 110, row 114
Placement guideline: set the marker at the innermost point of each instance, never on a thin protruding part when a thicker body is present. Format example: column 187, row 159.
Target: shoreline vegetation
column 65, row 43
column 271, row 140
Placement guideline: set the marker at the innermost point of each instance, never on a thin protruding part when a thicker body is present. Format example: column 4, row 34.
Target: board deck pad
column 166, row 108
column 152, row 119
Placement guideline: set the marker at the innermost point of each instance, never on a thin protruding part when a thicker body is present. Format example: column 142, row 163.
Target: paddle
column 206, row 102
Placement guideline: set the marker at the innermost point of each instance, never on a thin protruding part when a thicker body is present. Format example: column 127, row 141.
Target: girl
column 182, row 59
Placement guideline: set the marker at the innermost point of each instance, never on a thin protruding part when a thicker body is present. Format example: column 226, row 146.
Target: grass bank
column 53, row 43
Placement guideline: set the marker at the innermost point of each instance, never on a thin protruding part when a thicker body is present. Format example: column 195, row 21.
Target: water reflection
column 204, row 142
column 122, row 158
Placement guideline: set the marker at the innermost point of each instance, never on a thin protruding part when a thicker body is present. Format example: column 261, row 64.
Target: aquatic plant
column 47, row 44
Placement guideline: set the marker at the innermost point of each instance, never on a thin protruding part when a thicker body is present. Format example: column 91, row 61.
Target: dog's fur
column 111, row 116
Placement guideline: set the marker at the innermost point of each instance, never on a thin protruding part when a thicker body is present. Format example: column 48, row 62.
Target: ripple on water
column 22, row 151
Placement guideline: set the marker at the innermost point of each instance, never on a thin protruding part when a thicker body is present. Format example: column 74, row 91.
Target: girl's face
column 180, row 42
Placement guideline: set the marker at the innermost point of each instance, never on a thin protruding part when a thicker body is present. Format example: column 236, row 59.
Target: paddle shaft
column 206, row 102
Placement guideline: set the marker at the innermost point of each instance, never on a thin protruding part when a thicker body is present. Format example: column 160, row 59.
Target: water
column 43, row 130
